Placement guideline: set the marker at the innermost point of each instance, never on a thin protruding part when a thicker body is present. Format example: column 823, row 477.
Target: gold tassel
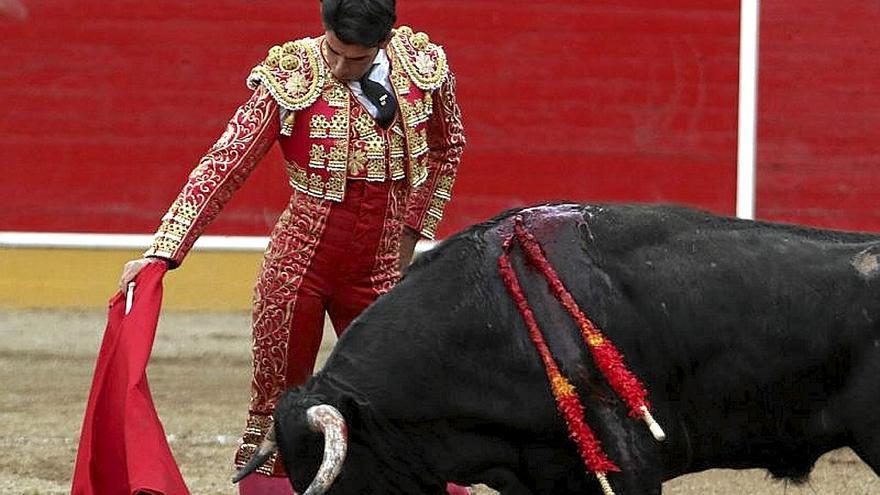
column 287, row 126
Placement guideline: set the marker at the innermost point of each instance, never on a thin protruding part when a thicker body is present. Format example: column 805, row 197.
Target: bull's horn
column 327, row 420
column 267, row 448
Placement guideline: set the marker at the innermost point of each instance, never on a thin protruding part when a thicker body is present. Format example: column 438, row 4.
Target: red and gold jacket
column 327, row 138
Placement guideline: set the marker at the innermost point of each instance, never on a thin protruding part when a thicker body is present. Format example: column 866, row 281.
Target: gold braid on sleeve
column 248, row 136
column 445, row 144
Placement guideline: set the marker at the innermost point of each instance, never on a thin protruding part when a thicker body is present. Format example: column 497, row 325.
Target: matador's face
column 348, row 62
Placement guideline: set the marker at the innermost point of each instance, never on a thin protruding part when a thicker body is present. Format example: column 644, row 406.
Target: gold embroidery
column 175, row 224
column 245, row 140
column 296, row 83
column 335, row 186
column 419, row 113
column 356, row 162
column 423, row 61
column 396, row 154
column 316, row 156
column 414, row 113
column 293, row 73
column 365, row 126
column 444, row 158
column 430, row 226
column 397, row 170
column 336, row 96
column 420, row 169
column 400, row 82
column 298, row 177
column 375, row 152
column 163, row 247
column 595, row 340
column 407, row 110
column 428, row 104
column 273, row 57
column 290, row 250
column 376, row 169
column 187, row 212
column 318, row 126
column 375, row 147
column 290, row 63
column 336, row 127
column 316, row 185
column 254, row 432
column 350, row 145
column 444, row 187
column 338, row 155
column 436, row 207
column 287, row 125
column 370, row 146
column 175, row 231
column 395, row 144
column 418, row 145
column 419, row 41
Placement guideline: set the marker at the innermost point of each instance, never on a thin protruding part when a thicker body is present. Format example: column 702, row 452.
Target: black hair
column 360, row 22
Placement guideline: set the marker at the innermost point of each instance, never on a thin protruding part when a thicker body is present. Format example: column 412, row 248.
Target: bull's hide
column 759, row 345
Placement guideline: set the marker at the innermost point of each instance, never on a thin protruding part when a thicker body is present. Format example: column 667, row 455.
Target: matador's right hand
column 132, row 268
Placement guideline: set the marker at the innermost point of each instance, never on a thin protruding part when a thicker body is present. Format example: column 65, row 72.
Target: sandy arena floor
column 199, row 377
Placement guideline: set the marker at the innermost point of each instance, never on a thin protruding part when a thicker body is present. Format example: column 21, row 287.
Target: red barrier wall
column 108, row 105
column 819, row 113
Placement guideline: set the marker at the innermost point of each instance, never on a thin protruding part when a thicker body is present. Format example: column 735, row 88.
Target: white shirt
column 380, row 74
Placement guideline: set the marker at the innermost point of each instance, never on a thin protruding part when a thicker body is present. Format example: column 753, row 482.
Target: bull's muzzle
column 322, row 418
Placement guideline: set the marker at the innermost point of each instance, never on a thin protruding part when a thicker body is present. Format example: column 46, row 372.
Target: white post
column 748, row 105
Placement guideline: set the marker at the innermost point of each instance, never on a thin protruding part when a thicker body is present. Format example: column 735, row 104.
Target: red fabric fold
column 122, row 447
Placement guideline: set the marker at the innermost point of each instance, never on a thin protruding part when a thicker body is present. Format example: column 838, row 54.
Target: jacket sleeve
column 248, row 136
column 445, row 144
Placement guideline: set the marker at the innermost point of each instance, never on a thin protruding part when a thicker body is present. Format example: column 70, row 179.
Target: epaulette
column 423, row 61
column 292, row 72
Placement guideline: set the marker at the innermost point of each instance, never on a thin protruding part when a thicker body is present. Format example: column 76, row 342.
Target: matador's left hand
column 408, row 240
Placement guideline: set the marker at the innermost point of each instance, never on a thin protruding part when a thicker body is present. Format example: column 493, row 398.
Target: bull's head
column 323, row 419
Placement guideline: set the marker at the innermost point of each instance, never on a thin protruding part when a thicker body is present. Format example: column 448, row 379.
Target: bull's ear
column 353, row 409
column 348, row 404
column 298, row 399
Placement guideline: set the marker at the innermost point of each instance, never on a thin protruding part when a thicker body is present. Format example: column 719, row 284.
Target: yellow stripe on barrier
column 87, row 278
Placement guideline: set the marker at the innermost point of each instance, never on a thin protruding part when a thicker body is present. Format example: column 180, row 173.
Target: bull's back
column 750, row 329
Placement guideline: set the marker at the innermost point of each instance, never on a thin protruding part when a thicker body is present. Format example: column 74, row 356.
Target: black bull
column 759, row 345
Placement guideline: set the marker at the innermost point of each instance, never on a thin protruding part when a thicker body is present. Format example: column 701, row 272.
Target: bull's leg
column 869, row 451
column 859, row 406
column 866, row 441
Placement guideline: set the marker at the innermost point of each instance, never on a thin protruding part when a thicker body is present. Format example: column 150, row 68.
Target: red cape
column 122, row 446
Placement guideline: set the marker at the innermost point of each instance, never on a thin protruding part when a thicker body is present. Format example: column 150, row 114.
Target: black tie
column 381, row 98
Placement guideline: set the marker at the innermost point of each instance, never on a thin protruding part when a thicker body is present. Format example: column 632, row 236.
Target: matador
column 359, row 187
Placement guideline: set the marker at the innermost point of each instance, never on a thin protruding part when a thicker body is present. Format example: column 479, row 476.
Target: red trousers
column 323, row 257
